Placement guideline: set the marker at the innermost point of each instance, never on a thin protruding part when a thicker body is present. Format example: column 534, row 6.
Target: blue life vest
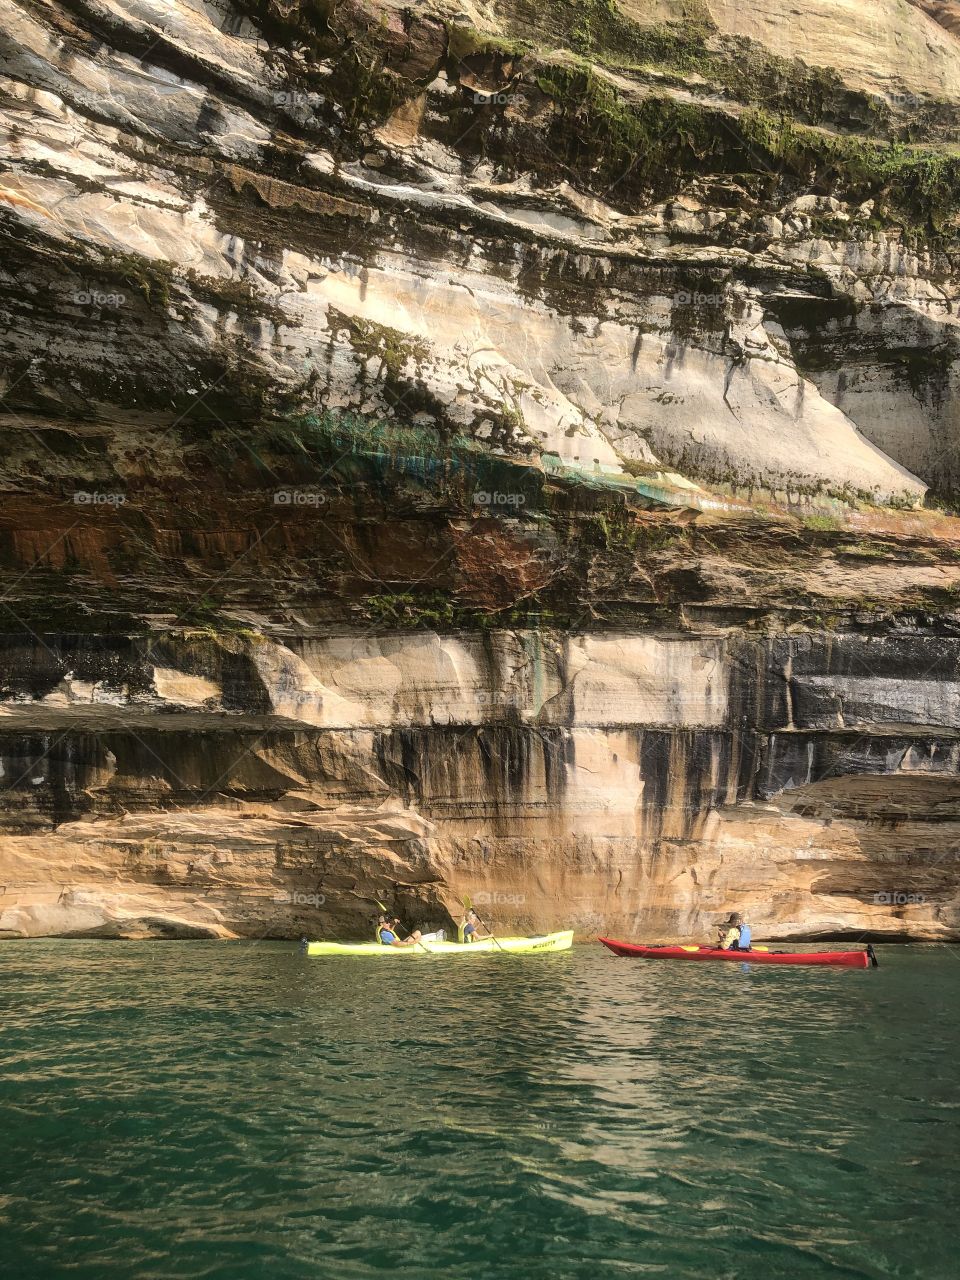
column 745, row 936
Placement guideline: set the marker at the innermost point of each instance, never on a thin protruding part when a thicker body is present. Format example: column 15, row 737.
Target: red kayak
column 850, row 959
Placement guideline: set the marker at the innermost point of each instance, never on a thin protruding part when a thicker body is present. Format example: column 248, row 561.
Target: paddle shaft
column 470, row 907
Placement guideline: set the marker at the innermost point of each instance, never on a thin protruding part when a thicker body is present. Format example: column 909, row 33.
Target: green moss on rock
column 152, row 278
column 464, row 41
column 394, row 348
column 658, row 141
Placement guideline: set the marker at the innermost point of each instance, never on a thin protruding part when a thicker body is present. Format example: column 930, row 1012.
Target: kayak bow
column 848, row 959
column 561, row 941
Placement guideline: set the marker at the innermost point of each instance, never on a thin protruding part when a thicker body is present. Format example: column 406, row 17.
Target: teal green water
column 238, row 1111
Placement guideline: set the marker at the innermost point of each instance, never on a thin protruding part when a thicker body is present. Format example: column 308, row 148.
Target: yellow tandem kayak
column 562, row 941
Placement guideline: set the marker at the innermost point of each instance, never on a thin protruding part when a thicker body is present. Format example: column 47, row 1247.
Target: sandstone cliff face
column 629, row 781
column 478, row 448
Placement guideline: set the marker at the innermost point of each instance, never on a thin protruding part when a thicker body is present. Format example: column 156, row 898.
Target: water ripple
column 238, row 1111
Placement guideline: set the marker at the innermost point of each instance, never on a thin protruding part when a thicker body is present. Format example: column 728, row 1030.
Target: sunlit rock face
column 626, row 782
column 478, row 449
column 204, row 209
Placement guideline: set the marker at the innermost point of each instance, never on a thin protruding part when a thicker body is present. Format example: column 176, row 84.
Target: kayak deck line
column 844, row 959
column 538, row 945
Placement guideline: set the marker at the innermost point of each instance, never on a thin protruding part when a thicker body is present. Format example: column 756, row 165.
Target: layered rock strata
column 478, row 448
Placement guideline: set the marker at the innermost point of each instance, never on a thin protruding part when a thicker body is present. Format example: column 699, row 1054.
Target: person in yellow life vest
column 734, row 935
column 388, row 936
column 470, row 926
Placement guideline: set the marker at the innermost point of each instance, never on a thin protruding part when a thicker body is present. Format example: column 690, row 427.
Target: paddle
column 684, row 947
column 470, row 907
column 424, row 949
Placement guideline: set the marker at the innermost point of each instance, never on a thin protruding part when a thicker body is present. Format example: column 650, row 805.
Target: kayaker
column 734, row 935
column 388, row 937
column 470, row 927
